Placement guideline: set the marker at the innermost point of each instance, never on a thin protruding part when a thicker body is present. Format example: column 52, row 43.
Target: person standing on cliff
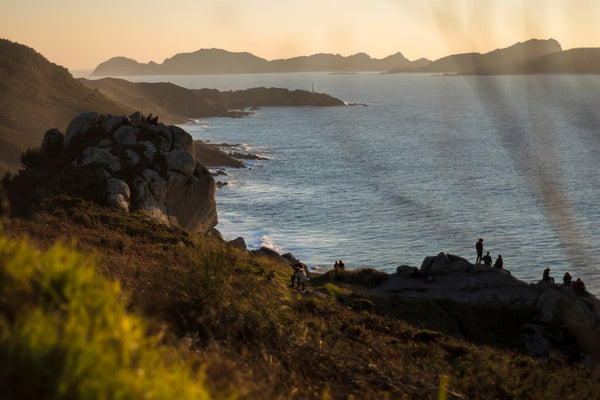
column 479, row 250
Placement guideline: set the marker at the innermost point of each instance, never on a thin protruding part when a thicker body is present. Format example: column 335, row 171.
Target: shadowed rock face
column 447, row 276
column 142, row 165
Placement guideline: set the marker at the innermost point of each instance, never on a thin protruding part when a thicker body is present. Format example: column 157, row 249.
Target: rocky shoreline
column 564, row 323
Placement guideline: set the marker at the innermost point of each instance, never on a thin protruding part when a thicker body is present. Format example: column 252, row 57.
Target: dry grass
column 258, row 338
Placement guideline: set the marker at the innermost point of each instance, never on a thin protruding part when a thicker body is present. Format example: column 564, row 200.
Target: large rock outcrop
column 141, row 165
column 451, row 277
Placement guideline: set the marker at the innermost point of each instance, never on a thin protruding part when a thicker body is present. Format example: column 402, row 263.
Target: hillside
column 36, row 95
column 217, row 61
column 221, row 321
column 229, row 316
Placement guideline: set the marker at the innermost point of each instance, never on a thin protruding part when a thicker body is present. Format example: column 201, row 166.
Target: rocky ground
column 450, row 277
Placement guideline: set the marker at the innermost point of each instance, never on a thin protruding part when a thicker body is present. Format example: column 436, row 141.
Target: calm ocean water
column 429, row 165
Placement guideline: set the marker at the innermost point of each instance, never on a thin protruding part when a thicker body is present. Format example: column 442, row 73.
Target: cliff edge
column 130, row 163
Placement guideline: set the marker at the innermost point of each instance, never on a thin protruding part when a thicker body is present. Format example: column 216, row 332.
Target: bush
column 64, row 333
column 362, row 277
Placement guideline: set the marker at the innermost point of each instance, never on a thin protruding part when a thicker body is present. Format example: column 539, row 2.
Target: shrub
column 361, row 277
column 65, row 333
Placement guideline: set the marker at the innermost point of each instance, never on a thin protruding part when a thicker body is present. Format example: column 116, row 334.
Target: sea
column 415, row 165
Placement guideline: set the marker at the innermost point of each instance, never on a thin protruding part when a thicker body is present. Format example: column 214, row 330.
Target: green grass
column 65, row 334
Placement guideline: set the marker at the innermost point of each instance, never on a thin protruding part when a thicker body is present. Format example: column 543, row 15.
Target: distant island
column 529, row 57
column 217, row 61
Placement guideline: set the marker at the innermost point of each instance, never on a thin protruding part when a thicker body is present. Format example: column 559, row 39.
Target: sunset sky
column 81, row 34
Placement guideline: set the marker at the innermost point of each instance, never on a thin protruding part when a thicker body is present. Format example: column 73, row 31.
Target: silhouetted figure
column 499, row 262
column 341, row 265
column 336, row 265
column 479, row 250
column 567, row 278
column 546, row 276
column 487, row 259
column 578, row 287
column 297, row 267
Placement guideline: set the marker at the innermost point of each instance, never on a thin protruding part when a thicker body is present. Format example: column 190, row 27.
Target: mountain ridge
column 224, row 62
column 525, row 57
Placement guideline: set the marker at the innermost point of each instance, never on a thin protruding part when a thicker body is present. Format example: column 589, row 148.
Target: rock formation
column 562, row 315
column 142, row 165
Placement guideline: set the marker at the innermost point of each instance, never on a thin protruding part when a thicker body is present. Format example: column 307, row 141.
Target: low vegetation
column 196, row 318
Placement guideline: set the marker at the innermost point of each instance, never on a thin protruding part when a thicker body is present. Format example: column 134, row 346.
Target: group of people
column 339, row 265
column 578, row 286
column 487, row 259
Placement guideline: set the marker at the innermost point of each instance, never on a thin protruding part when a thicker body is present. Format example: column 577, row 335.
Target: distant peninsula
column 37, row 95
column 530, row 57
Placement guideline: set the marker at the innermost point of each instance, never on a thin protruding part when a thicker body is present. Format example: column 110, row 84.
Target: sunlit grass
column 65, row 333
column 233, row 316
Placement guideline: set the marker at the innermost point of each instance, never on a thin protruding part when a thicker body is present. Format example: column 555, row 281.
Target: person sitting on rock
column 499, row 262
column 546, row 276
column 336, row 265
column 487, row 259
column 567, row 278
column 579, row 287
column 341, row 265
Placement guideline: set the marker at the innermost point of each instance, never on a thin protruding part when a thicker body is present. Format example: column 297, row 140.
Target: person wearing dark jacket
column 479, row 250
column 499, row 262
column 487, row 259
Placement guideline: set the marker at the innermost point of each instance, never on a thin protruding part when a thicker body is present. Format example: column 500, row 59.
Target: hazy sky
column 79, row 34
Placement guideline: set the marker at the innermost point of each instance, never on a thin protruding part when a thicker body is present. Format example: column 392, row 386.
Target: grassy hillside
column 36, row 95
column 233, row 317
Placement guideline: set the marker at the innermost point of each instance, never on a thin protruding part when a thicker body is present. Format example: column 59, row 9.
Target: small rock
column 238, row 242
